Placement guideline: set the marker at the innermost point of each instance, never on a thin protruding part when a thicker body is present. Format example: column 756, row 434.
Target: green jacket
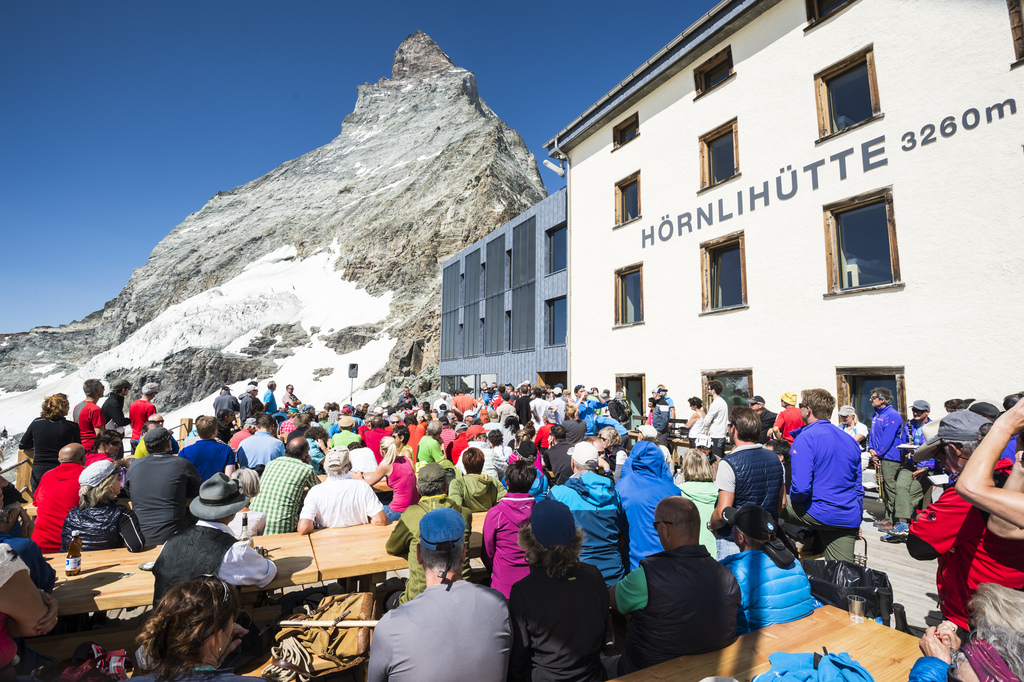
column 406, row 537
column 704, row 495
column 476, row 492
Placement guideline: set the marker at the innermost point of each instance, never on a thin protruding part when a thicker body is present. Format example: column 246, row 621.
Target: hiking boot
column 898, row 534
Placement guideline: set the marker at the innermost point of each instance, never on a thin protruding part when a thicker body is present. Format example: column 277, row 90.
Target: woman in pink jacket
column 502, row 554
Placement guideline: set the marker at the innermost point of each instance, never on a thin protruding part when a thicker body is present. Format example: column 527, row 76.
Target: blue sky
column 118, row 119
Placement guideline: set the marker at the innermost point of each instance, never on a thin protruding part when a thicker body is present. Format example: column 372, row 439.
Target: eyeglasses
column 667, row 523
column 157, row 421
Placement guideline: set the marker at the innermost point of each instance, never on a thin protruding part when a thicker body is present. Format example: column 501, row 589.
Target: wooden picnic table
column 886, row 653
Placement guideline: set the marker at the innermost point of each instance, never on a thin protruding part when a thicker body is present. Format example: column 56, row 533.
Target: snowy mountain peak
column 419, row 57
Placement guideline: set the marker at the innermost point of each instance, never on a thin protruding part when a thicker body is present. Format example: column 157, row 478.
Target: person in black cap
column 766, row 416
column 559, row 610
column 773, row 585
column 159, row 486
column 476, row 633
column 681, row 600
column 209, row 547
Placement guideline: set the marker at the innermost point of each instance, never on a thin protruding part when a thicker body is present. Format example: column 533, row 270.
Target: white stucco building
column 806, row 193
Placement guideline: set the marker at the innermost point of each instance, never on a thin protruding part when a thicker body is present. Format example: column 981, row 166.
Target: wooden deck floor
column 913, row 581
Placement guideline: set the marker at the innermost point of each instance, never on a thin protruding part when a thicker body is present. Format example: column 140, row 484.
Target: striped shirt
column 281, row 487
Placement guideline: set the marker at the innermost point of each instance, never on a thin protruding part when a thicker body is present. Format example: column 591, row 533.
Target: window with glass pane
column 862, row 236
column 450, row 312
column 629, row 197
column 713, row 72
column 826, row 7
column 523, row 322
column 736, row 389
column 860, row 393
column 726, row 277
column 494, row 306
column 448, row 384
column 627, row 130
column 557, row 249
column 630, row 297
column 557, row 320
column 722, row 158
column 524, row 272
column 849, row 98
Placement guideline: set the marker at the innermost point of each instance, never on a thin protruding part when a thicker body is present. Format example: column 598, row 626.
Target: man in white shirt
column 717, row 419
column 558, row 402
column 538, row 406
column 341, row 500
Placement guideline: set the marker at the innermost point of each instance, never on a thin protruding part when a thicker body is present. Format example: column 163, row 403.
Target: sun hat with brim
column 431, row 472
column 789, row 398
column 218, row 498
column 846, row 411
column 337, row 458
column 96, row 473
column 961, row 426
column 442, row 529
column 552, row 523
column 154, row 438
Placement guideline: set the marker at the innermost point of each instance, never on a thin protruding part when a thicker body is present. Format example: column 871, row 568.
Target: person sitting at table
column 996, row 648
column 190, row 633
column 159, row 486
column 16, row 531
column 645, row 482
column 340, row 501
column 773, row 585
column 56, row 495
column 262, row 447
column 454, row 630
column 397, row 465
column 154, row 421
column 432, row 484
column 24, row 610
column 475, row 491
column 560, row 609
column 502, row 555
column 107, row 445
column 346, row 434
column 595, row 505
column 209, row 547
column 681, row 601
column 248, row 485
column 100, row 521
column 282, row 486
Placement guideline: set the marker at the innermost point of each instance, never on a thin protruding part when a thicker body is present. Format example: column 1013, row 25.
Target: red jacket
column 56, row 495
column 968, row 553
column 460, row 443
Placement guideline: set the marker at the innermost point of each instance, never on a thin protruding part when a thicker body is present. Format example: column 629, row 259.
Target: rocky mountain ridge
column 331, row 258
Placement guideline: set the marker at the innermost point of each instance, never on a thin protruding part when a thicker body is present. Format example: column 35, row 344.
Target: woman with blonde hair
column 191, row 632
column 699, row 487
column 575, row 428
column 100, row 521
column 47, row 434
column 614, row 452
column 397, row 466
column 248, row 485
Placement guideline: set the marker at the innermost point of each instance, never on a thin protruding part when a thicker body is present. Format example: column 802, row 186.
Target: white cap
column 584, row 453
column 648, row 431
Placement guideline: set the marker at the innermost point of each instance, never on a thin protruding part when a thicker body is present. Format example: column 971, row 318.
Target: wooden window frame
column 863, row 56
column 620, row 385
column 629, row 179
column 832, row 240
column 700, row 73
column 705, row 157
column 708, row 250
column 619, row 274
column 843, row 386
column 707, row 375
column 814, row 17
column 1017, row 29
column 617, row 131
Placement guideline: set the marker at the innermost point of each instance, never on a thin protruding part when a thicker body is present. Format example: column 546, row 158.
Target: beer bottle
column 73, row 562
column 245, row 530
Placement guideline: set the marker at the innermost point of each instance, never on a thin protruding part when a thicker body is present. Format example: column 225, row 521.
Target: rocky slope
column 331, row 258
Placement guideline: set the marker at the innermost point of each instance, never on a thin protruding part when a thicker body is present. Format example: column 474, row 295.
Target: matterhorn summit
column 329, row 259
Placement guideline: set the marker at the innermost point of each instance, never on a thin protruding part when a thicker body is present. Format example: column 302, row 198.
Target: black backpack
column 619, row 411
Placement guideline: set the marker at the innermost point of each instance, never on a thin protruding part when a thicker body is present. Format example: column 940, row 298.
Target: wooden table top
column 294, row 557
column 886, row 653
column 100, row 587
column 359, row 550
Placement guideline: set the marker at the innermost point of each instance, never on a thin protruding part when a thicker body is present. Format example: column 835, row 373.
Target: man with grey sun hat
column 209, row 547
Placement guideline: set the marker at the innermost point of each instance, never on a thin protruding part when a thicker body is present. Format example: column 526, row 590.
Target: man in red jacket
column 955, row 532
column 56, row 495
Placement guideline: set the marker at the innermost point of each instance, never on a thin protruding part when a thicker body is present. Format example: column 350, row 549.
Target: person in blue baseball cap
column 476, row 632
column 560, row 609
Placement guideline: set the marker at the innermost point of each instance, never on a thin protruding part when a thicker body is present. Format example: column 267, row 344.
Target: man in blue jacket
column 883, row 443
column 773, row 585
column 596, row 508
column 826, row 493
column 645, row 482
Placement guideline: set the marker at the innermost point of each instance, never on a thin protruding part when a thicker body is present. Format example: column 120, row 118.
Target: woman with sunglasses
column 191, row 632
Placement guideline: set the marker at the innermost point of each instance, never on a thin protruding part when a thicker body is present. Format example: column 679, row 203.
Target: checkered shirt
column 281, row 488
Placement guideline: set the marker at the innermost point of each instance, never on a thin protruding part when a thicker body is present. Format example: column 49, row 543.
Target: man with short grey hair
column 341, row 500
column 245, row 403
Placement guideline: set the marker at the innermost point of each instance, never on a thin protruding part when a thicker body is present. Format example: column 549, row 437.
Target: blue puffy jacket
column 597, row 510
column 645, row 482
column 601, row 421
column 768, row 594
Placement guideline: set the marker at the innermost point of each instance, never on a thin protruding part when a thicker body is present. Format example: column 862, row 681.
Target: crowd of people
column 694, row 548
